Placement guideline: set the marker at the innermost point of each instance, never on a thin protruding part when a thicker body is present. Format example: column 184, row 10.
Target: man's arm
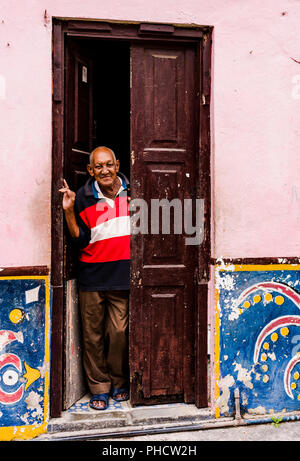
column 68, row 206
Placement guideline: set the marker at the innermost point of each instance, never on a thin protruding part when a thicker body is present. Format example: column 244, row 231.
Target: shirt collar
column 99, row 194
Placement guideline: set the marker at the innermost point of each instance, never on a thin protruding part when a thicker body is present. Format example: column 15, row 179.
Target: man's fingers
column 67, row 190
column 65, row 184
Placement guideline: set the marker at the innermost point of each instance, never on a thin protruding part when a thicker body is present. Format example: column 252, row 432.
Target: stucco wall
column 255, row 120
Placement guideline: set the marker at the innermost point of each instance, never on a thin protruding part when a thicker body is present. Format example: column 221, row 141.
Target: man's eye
column 108, row 165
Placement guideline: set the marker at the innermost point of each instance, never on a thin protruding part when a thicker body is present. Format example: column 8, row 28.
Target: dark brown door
column 79, row 129
column 79, row 114
column 163, row 166
column 78, row 145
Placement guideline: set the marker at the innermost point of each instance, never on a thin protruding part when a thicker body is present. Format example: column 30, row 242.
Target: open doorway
column 98, row 114
column 111, row 78
column 142, row 90
column 97, row 102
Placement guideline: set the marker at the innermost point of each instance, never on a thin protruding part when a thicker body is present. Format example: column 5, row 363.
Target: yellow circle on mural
column 296, row 375
column 284, row 331
column 257, row 299
column 266, row 378
column 265, row 367
column 293, row 386
column 268, row 297
column 298, row 397
column 16, row 316
column 266, row 346
column 246, row 304
column 264, row 357
column 274, row 337
column 279, row 300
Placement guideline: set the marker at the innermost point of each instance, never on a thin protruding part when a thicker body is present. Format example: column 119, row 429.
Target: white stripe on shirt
column 115, row 227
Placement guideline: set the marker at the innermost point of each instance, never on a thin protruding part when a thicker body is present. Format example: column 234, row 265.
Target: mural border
column 33, row 430
column 235, row 267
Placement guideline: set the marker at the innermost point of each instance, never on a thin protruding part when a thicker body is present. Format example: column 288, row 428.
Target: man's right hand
column 68, row 197
column 68, row 206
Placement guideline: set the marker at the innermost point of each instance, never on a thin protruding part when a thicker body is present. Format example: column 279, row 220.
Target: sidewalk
column 163, row 422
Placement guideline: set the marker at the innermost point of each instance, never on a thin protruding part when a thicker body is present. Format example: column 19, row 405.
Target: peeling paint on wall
column 24, row 356
column 257, row 348
column 225, row 384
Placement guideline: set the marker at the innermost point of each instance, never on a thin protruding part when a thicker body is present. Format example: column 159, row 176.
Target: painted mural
column 257, row 348
column 24, row 356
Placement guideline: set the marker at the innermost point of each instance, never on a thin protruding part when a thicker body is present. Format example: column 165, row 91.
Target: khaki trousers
column 105, row 339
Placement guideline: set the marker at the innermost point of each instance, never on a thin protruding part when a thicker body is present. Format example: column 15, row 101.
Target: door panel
column 79, row 130
column 164, row 345
column 79, row 139
column 75, row 385
column 79, row 114
column 163, row 127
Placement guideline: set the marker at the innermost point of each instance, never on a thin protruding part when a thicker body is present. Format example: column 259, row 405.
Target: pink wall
column 255, row 119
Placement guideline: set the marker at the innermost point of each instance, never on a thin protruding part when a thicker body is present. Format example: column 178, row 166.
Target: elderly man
column 98, row 220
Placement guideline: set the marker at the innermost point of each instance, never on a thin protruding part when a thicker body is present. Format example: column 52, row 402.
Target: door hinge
column 196, row 276
column 205, row 99
column 200, row 275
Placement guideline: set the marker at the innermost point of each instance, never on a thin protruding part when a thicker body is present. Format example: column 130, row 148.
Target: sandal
column 117, row 391
column 99, row 398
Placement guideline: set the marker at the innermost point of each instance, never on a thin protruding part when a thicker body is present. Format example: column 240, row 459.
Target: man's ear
column 117, row 165
column 90, row 169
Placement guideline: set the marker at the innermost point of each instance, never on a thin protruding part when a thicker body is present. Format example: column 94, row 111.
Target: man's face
column 103, row 168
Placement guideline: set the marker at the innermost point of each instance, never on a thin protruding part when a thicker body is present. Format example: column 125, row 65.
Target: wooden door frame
column 135, row 31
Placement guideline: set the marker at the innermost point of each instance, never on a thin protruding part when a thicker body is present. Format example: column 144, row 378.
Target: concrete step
column 122, row 417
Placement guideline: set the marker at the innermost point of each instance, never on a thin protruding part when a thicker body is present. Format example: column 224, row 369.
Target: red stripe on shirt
column 113, row 249
column 101, row 211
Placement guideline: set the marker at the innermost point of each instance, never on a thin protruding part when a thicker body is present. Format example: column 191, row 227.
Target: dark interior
column 111, row 81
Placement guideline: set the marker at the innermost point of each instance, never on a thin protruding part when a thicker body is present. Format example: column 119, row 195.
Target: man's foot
column 99, row 401
column 99, row 404
column 119, row 395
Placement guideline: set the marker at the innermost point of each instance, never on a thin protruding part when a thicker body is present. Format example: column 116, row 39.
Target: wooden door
column 155, row 145
column 78, row 145
column 163, row 166
column 79, row 127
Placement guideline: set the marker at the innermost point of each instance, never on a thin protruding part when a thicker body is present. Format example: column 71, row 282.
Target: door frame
column 136, row 31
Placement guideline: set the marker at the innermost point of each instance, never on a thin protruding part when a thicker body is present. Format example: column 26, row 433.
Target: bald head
column 101, row 149
column 103, row 167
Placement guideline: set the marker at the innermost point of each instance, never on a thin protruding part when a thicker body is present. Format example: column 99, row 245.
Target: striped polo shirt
column 104, row 240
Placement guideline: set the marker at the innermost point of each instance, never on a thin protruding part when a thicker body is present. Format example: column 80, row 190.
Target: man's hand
column 68, row 197
column 68, row 206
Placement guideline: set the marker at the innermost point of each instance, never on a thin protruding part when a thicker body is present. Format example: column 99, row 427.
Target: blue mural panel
column 259, row 340
column 24, row 351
